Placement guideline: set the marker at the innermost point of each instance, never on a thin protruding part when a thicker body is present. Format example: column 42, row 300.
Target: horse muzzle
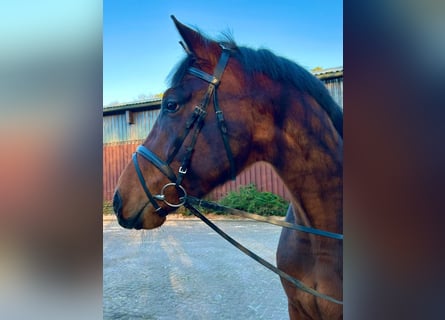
column 128, row 223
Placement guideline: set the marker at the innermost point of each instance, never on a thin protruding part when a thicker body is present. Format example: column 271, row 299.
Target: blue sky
column 140, row 42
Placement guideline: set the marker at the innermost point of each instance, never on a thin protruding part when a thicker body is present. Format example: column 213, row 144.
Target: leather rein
column 196, row 122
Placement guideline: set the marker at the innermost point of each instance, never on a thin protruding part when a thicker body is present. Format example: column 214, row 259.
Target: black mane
column 278, row 69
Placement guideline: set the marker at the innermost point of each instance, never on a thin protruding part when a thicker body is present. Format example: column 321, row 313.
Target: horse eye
column 171, row 106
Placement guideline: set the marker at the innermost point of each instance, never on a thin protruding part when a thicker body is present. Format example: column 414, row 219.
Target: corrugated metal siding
column 335, row 88
column 115, row 158
column 261, row 174
column 117, row 130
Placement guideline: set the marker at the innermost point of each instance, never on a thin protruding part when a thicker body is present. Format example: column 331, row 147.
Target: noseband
column 195, row 122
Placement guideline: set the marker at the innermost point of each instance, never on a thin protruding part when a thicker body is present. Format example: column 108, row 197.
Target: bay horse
column 266, row 108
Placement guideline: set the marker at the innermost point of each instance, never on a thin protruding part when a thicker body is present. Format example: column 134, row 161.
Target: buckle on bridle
column 219, row 115
column 200, row 111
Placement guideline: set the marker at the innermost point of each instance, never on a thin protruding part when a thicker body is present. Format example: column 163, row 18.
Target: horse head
column 203, row 134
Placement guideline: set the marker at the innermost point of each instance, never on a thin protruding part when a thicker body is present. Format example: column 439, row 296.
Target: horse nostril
column 117, row 203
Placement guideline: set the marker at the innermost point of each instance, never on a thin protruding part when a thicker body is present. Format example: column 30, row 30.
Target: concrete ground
column 184, row 270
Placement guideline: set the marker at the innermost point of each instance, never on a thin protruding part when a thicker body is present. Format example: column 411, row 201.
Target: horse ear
column 196, row 43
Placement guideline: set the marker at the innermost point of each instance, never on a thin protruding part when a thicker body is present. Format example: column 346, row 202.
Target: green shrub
column 187, row 212
column 183, row 211
column 107, row 207
column 250, row 199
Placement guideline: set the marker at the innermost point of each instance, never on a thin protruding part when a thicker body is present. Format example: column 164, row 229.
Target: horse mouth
column 135, row 222
column 143, row 219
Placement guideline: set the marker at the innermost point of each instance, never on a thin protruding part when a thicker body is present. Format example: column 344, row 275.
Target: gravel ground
column 184, row 270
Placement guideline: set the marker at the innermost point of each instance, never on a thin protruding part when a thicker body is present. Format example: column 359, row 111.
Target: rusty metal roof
column 329, row 73
column 148, row 104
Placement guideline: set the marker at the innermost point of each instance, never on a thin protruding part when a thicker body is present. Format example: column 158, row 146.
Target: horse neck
column 307, row 153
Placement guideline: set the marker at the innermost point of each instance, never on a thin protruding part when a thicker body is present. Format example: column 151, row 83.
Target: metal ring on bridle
column 161, row 196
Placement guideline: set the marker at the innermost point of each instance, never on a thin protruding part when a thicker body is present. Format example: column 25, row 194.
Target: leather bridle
column 195, row 122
